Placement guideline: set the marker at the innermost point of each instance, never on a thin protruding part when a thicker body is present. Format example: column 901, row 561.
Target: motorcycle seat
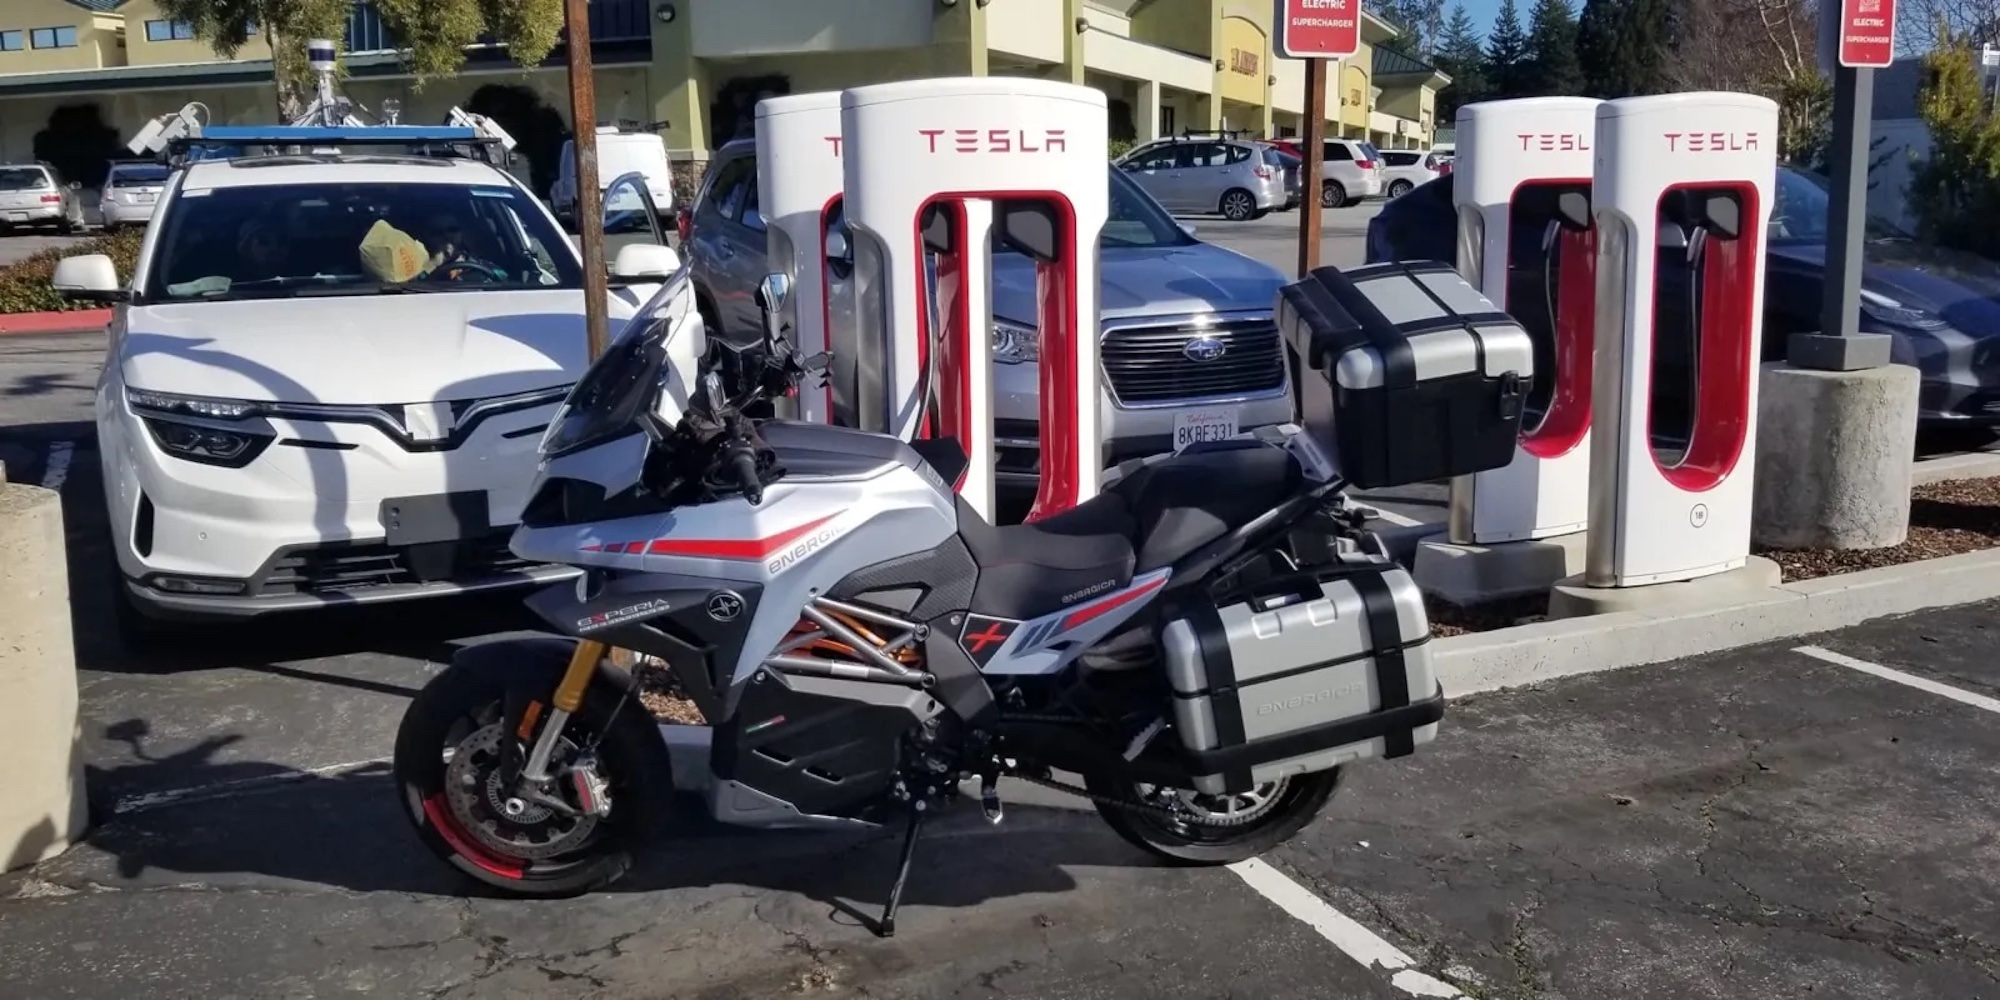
column 1185, row 502
column 1029, row 570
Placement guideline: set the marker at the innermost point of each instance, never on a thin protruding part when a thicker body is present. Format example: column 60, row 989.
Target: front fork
column 561, row 707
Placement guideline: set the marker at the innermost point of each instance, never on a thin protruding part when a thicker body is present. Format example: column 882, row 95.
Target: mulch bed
column 1946, row 519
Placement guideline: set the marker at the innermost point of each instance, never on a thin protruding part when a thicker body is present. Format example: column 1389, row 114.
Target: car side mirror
column 88, row 278
column 76, row 185
column 644, row 263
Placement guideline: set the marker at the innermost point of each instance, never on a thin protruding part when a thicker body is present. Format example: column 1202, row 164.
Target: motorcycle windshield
column 606, row 403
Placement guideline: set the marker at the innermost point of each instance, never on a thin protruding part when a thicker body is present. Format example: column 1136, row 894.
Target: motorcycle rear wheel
column 1289, row 804
column 458, row 711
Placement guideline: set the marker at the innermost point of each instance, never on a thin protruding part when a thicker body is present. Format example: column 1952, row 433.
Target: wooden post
column 589, row 197
column 1312, row 139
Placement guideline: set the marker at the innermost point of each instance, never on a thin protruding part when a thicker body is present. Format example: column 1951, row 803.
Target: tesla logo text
column 1710, row 142
column 807, row 546
column 1310, row 698
column 997, row 140
column 1095, row 588
column 834, row 141
column 1549, row 142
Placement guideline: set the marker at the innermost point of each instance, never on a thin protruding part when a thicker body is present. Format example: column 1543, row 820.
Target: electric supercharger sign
column 934, row 170
column 1525, row 239
column 798, row 194
column 1683, row 192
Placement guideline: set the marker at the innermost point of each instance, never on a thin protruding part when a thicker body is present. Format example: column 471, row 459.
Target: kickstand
column 887, row 927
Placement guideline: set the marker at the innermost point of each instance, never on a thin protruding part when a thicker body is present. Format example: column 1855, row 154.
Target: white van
column 619, row 152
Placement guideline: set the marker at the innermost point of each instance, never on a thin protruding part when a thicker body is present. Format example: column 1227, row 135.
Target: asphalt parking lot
column 1760, row 823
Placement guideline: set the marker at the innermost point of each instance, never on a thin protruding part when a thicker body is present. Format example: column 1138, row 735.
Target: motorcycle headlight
column 1015, row 344
column 1889, row 312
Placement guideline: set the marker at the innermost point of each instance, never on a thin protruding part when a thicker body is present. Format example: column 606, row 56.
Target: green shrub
column 1955, row 189
column 1119, row 147
column 24, row 285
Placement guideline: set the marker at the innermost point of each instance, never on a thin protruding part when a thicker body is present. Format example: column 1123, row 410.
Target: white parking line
column 1355, row 941
column 226, row 789
column 1892, row 674
column 56, row 472
column 1399, row 520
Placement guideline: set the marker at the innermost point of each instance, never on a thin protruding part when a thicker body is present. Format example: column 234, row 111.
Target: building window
column 169, row 31
column 53, row 38
column 11, row 41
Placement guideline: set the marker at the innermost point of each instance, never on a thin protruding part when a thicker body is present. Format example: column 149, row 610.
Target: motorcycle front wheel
column 1258, row 820
column 447, row 771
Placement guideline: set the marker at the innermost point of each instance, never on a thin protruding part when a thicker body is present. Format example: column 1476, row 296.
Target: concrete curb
column 1527, row 654
column 1946, row 468
column 72, row 321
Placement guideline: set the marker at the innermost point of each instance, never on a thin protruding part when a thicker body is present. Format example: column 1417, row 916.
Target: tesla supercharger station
column 1522, row 190
column 798, row 193
column 934, row 169
column 1682, row 194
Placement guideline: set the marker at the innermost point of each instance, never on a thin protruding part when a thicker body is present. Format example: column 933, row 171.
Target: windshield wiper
column 316, row 291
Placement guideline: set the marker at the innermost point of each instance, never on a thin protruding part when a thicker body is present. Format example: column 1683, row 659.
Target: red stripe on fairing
column 744, row 549
column 1105, row 605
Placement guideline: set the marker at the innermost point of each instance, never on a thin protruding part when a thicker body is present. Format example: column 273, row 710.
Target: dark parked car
column 1942, row 307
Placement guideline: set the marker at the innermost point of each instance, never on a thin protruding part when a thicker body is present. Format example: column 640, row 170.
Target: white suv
column 1409, row 169
column 1352, row 172
column 285, row 422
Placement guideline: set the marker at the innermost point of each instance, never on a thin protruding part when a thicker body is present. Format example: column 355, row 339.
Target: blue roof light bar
column 319, row 135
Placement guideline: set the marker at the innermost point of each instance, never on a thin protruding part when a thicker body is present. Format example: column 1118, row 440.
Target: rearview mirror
column 772, row 294
column 88, row 278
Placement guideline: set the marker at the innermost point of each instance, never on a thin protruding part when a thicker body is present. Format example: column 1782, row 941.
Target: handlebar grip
column 744, row 462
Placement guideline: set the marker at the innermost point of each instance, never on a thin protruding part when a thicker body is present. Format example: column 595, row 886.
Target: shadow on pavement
column 264, row 823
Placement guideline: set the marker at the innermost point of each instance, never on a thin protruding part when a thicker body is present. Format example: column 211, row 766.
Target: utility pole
column 589, row 197
column 1313, row 139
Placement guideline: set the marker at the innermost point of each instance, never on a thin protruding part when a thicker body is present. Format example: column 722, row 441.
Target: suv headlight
column 185, row 427
column 1015, row 344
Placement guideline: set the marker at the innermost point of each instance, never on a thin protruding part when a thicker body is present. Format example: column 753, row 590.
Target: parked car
column 1942, row 307
column 1404, row 169
column 1293, row 165
column 1236, row 178
column 620, row 151
column 286, row 422
column 1189, row 345
column 1350, row 170
column 131, row 191
column 35, row 194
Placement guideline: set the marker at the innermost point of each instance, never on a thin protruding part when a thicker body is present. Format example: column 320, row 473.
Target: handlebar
column 742, row 461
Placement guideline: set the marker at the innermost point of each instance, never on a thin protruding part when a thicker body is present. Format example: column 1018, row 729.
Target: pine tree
column 1552, row 69
column 1506, row 55
column 1459, row 54
column 1420, row 21
column 1622, row 47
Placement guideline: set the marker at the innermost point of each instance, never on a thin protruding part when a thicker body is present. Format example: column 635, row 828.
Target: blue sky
column 1483, row 12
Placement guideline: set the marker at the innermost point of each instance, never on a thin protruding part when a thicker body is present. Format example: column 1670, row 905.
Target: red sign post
column 1867, row 33
column 1320, row 29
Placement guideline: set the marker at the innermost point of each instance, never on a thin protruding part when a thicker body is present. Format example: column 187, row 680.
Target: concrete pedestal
column 1469, row 575
column 1572, row 598
column 1834, row 451
column 42, row 805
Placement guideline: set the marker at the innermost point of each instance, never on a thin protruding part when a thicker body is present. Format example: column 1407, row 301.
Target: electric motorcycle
column 862, row 643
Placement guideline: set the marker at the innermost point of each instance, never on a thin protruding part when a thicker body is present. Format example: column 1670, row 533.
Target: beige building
column 701, row 65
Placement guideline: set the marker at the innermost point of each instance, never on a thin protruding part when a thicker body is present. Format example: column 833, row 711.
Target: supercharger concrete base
column 932, row 169
column 42, row 804
column 798, row 191
column 1851, row 488
column 1574, row 598
column 1515, row 530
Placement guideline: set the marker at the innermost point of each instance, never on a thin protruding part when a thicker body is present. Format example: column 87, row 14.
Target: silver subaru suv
column 1189, row 349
